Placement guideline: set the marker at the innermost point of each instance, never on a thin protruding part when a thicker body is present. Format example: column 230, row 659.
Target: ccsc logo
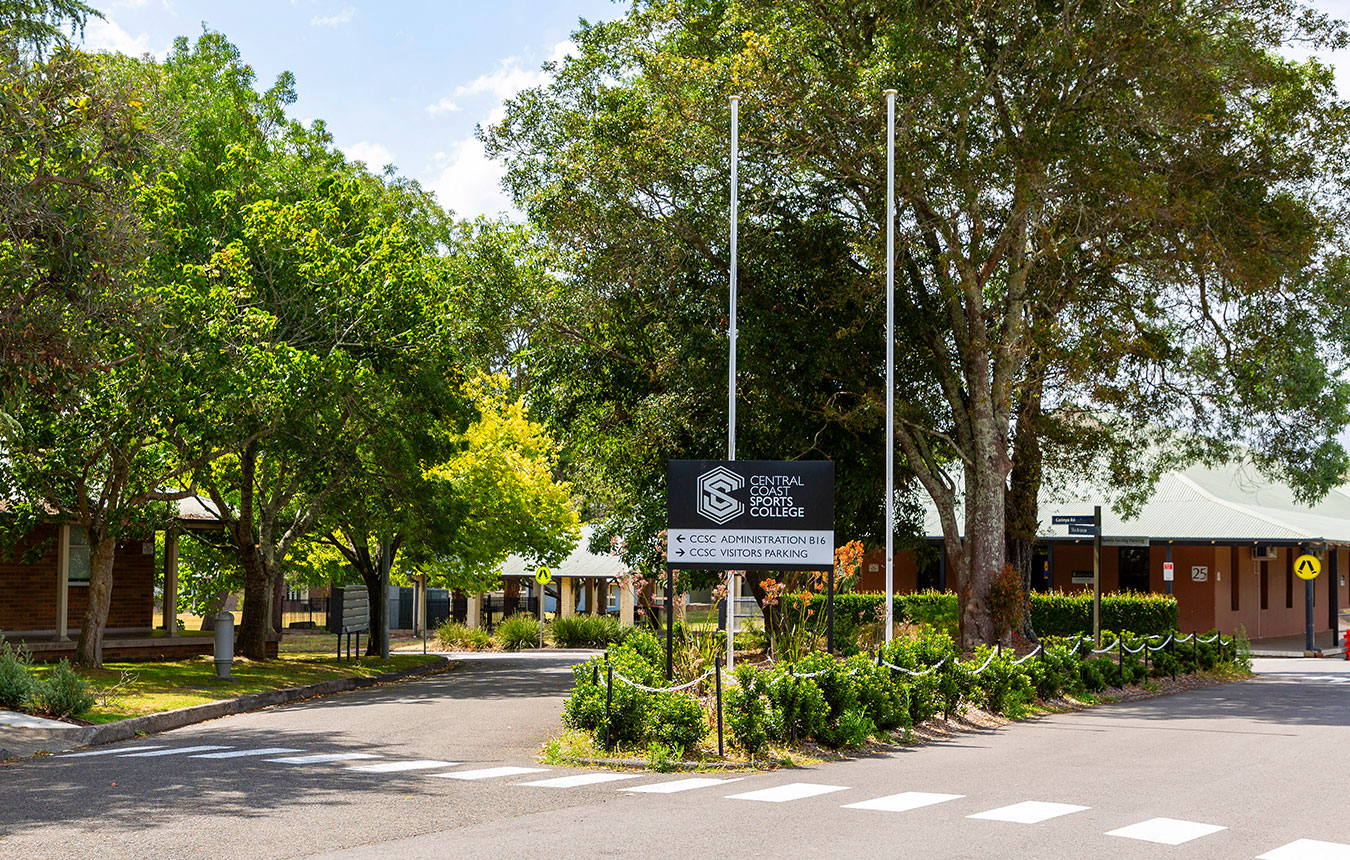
column 715, row 501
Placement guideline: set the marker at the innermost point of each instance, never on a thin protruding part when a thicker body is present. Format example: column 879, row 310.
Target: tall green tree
column 1109, row 218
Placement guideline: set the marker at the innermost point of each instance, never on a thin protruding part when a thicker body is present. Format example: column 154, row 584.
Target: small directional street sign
column 1307, row 567
column 1089, row 530
column 1072, row 519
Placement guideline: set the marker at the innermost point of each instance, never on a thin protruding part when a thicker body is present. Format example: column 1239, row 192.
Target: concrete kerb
column 167, row 720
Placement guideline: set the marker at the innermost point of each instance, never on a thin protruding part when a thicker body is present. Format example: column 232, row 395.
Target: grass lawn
column 135, row 689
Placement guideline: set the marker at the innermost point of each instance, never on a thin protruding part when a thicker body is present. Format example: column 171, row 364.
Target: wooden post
column 63, row 584
column 171, row 581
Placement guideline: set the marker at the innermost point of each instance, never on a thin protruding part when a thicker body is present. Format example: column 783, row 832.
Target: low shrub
column 518, row 632
column 451, row 635
column 747, row 715
column 587, row 631
column 16, row 681
column 63, row 693
column 795, row 708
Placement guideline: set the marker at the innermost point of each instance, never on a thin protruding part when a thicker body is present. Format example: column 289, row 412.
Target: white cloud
column 343, row 17
column 106, row 35
column 375, row 155
column 510, row 77
column 469, row 184
column 445, row 105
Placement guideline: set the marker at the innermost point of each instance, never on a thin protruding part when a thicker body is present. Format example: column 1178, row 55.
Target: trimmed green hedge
column 1052, row 613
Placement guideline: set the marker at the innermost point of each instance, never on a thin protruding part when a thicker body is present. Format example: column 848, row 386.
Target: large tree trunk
column 1023, row 514
column 89, row 648
column 257, row 621
column 278, row 596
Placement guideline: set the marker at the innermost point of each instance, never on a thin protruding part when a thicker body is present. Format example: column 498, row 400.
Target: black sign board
column 1089, row 530
column 750, row 514
column 1073, row 520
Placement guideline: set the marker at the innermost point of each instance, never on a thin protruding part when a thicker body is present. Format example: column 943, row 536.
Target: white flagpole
column 731, row 364
column 890, row 364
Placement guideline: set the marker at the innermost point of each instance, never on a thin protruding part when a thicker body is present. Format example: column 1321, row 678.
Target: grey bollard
column 224, row 643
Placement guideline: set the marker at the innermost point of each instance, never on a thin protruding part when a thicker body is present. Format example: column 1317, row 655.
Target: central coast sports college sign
column 750, row 514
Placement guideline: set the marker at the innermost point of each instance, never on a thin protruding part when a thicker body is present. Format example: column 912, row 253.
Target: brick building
column 44, row 592
column 1231, row 535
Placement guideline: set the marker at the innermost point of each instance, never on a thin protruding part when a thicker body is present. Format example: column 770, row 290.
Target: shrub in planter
column 517, row 632
column 882, row 693
column 63, row 693
column 1002, row 688
column 676, row 720
column 851, row 730
column 795, row 707
column 927, row 696
column 631, row 708
column 746, row 713
column 16, row 681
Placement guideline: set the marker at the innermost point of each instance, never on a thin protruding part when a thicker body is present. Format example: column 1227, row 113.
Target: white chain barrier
column 1163, row 645
column 632, row 683
column 1039, row 649
column 913, row 674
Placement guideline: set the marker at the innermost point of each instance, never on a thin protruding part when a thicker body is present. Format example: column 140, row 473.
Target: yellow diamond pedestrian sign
column 1307, row 566
column 543, row 576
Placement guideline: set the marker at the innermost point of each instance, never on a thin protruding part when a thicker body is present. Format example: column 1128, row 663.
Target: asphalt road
column 1236, row 771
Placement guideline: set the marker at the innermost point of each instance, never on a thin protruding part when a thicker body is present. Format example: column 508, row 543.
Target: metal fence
column 304, row 614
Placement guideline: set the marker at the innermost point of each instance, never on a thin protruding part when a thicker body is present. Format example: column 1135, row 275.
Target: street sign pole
column 731, row 365
column 1097, row 575
column 890, row 371
column 670, row 622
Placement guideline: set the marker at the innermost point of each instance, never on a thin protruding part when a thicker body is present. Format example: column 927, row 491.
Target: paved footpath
column 444, row 767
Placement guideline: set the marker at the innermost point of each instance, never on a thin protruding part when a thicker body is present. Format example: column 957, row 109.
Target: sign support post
column 1307, row 567
column 890, row 374
column 1169, row 569
column 732, row 583
column 670, row 622
column 1097, row 574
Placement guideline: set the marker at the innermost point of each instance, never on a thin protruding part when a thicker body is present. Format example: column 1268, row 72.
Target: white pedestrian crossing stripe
column 321, row 758
column 1309, row 849
column 1166, row 831
column 676, row 785
column 1028, row 812
column 116, row 751
column 399, row 766
column 178, row 751
column 246, row 753
column 581, row 779
column 785, row 793
column 488, row 772
column 903, row 802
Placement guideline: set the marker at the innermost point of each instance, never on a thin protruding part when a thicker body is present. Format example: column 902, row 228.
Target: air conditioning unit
column 1264, row 553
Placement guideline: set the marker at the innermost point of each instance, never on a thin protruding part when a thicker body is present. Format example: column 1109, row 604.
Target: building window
column 78, row 563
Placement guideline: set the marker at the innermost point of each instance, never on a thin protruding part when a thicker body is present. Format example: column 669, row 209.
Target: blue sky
column 401, row 81
column 396, row 82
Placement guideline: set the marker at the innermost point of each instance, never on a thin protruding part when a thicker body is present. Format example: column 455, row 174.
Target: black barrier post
column 1120, row 654
column 717, row 673
column 595, row 675
column 670, row 622
column 339, row 638
column 1195, row 649
column 609, row 696
column 829, row 613
column 1172, row 649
